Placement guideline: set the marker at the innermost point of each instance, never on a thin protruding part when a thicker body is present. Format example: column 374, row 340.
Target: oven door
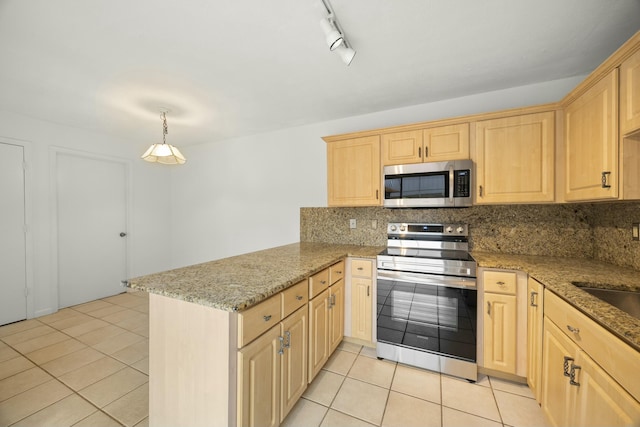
column 428, row 313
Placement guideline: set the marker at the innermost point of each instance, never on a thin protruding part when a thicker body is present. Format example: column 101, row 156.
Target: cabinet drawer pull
column 533, row 299
column 267, row 317
column 360, row 268
column 605, row 176
column 572, row 329
column 567, row 359
column 299, row 297
column 323, row 282
column 572, row 376
column 338, row 272
column 500, row 283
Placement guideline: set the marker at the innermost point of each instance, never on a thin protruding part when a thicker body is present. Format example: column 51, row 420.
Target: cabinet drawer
column 318, row 282
column 257, row 319
column 362, row 268
column 336, row 272
column 501, row 282
column 616, row 357
column 294, row 297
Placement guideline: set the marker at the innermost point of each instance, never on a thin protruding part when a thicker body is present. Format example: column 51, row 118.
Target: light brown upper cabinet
column 426, row 145
column 630, row 94
column 515, row 159
column 591, row 142
column 353, row 172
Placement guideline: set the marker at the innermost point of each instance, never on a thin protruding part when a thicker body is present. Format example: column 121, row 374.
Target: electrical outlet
column 635, row 231
column 352, row 223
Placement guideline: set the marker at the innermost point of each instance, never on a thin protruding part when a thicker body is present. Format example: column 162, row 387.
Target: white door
column 13, row 279
column 92, row 225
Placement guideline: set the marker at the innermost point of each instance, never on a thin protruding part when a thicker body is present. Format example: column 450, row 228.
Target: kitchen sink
column 627, row 301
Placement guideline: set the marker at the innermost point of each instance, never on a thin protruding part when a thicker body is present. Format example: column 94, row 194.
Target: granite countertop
column 238, row 282
column 557, row 274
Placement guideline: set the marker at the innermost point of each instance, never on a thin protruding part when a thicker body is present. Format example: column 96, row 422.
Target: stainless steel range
column 426, row 287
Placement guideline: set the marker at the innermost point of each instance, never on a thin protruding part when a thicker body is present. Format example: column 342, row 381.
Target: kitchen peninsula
column 194, row 316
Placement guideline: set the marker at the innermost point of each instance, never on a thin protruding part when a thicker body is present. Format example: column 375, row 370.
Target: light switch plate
column 352, row 223
column 635, row 231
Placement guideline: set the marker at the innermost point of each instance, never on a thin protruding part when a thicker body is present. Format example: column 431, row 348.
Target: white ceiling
column 232, row 68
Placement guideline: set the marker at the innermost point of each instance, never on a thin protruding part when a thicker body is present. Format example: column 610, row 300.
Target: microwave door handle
column 451, row 173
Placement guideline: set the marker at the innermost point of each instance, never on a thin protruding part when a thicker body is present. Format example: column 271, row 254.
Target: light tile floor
column 88, row 365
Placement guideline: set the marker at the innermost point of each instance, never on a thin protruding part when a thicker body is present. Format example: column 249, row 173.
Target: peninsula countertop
column 238, row 282
column 558, row 273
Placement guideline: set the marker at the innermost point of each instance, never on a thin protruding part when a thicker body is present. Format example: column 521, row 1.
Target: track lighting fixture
column 334, row 35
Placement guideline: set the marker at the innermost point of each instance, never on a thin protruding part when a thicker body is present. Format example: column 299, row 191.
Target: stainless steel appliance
column 427, row 295
column 433, row 184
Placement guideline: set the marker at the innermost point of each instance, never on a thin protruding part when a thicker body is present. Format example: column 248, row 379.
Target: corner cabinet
column 515, row 159
column 630, row 94
column 588, row 375
column 591, row 142
column 354, row 172
column 426, row 145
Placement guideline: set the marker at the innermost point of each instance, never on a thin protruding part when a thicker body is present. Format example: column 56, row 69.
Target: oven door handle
column 451, row 189
column 428, row 279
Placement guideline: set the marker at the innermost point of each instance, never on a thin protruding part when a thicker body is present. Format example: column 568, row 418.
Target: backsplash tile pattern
column 583, row 230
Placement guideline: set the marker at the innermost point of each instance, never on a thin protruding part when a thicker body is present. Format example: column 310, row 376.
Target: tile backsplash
column 585, row 230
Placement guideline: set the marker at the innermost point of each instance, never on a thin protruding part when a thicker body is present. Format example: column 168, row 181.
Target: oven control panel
column 428, row 229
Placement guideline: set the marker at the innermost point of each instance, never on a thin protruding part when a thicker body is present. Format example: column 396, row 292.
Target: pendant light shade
column 164, row 153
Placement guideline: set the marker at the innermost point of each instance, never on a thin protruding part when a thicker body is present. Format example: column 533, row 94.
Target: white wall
column 244, row 194
column 149, row 237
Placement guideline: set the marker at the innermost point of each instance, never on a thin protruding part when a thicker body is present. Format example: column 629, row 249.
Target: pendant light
column 164, row 153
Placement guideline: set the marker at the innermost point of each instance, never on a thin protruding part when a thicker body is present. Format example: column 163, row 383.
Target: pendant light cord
column 165, row 128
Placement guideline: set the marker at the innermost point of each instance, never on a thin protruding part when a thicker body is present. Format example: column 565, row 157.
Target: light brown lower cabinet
column 576, row 389
column 326, row 326
column 534, row 336
column 272, row 372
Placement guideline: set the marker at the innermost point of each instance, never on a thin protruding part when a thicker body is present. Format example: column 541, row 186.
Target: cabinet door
column 294, row 329
column 500, row 332
column 259, row 381
column 515, row 159
column 630, row 94
column 336, row 315
column 402, row 148
column 591, row 142
column 534, row 336
column 600, row 401
column 318, row 333
column 556, row 395
column 354, row 171
column 446, row 143
column 361, row 305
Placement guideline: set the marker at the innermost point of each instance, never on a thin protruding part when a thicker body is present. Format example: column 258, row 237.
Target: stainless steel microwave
column 428, row 185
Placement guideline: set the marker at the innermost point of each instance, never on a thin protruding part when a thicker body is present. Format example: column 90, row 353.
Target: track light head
column 333, row 36
column 346, row 54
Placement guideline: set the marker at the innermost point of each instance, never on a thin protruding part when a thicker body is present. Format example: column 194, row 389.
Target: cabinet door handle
column 368, row 290
column 281, row 349
column 573, row 330
column 377, row 194
column 333, row 300
column 565, row 368
column 287, row 343
column 481, row 191
column 533, row 299
column 420, row 152
column 299, row 297
column 572, row 375
column 329, row 306
column 489, row 308
column 605, row 179
column 426, row 152
column 267, row 317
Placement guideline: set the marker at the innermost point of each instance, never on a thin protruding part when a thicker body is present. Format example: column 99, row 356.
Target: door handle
column 489, row 308
column 533, row 299
column 122, row 234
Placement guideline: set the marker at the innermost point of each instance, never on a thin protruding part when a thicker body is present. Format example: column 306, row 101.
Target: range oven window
column 417, row 186
column 434, row 318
